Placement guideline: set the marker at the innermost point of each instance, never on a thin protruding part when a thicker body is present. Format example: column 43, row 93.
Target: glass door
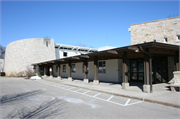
column 136, row 70
column 140, row 70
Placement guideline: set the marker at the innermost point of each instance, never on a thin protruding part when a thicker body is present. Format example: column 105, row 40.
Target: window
column 83, row 68
column 47, row 43
column 64, row 68
column 102, row 67
column 65, row 54
column 178, row 37
column 165, row 40
column 73, row 68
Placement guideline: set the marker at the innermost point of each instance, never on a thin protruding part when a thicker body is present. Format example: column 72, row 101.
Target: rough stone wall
column 23, row 53
column 156, row 30
column 1, row 65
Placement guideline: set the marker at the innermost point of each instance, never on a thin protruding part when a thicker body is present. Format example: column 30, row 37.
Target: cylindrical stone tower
column 22, row 53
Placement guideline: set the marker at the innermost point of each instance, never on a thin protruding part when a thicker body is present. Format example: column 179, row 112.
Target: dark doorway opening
column 136, row 70
column 160, row 70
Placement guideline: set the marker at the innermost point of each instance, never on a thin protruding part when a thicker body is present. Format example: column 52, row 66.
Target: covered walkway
column 151, row 71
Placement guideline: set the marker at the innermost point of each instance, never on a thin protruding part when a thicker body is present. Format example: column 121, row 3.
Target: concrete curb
column 122, row 95
column 162, row 103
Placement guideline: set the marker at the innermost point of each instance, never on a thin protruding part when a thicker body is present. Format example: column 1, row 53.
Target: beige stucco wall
column 113, row 71
column 23, row 53
column 156, row 30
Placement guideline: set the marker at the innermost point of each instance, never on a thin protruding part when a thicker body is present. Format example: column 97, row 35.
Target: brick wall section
column 21, row 53
column 159, row 29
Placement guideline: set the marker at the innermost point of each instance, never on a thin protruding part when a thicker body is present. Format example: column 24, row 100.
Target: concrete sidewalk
column 161, row 93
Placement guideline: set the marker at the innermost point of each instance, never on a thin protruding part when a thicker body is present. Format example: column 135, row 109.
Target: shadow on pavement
column 53, row 108
column 137, row 84
column 17, row 97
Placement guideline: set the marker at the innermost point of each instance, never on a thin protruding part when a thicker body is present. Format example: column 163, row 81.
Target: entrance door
column 47, row 71
column 161, row 73
column 136, row 70
column 41, row 70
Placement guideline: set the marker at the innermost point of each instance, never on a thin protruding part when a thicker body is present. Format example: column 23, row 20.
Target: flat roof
column 156, row 20
column 75, row 47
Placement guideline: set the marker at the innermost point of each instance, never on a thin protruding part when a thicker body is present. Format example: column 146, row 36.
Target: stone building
column 151, row 58
column 163, row 30
column 150, row 41
column 21, row 54
column 1, row 65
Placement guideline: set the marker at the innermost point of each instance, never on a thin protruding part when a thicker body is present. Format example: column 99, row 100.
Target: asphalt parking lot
column 21, row 98
column 117, row 100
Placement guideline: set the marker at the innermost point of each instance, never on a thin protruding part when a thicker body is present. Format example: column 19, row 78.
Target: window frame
column 65, row 54
column 178, row 37
column 102, row 68
column 165, row 39
column 46, row 43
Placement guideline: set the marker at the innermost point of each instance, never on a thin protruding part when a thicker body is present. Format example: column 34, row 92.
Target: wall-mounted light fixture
column 135, row 48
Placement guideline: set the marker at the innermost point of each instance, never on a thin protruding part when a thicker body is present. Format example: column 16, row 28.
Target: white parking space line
column 86, row 92
column 78, row 90
column 65, row 86
column 127, row 101
column 107, row 100
column 71, row 88
column 96, row 94
column 110, row 97
column 134, row 103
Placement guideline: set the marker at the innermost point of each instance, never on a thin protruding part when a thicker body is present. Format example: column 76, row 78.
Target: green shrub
column 3, row 73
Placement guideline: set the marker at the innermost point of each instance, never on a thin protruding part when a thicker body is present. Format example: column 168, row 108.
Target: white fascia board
column 62, row 45
column 71, row 46
column 89, row 49
column 59, row 46
column 105, row 48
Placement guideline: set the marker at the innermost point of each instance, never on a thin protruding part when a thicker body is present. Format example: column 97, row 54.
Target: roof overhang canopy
column 133, row 51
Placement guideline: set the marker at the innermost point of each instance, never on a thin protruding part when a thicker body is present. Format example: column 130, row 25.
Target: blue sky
column 92, row 23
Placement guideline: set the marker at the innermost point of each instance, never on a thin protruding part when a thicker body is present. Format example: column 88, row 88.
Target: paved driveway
column 22, row 98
